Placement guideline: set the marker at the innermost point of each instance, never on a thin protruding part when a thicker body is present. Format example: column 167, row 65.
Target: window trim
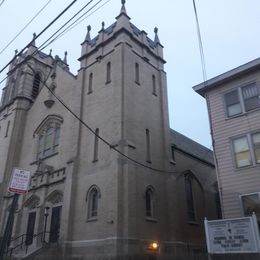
column 89, row 201
column 190, row 178
column 243, row 195
column 251, row 149
column 152, row 217
column 241, row 99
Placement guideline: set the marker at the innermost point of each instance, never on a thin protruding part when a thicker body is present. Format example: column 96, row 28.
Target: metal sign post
column 19, row 185
column 8, row 227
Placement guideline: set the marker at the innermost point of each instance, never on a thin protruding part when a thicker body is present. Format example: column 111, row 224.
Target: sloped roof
column 188, row 146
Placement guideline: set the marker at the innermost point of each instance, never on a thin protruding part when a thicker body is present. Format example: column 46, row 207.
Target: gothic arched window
column 48, row 137
column 92, row 199
column 36, row 85
column 149, row 202
column 154, row 85
column 189, row 198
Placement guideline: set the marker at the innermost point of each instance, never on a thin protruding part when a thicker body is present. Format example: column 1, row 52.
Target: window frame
column 249, row 138
column 193, row 219
column 152, row 195
column 93, row 190
column 43, row 151
column 244, row 195
column 241, row 99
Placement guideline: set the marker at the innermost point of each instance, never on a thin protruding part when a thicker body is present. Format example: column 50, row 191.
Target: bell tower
column 124, row 100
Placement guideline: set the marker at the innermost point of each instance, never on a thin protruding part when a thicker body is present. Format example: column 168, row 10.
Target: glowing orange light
column 153, row 246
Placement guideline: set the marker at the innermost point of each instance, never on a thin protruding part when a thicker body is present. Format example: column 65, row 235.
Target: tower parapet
column 122, row 24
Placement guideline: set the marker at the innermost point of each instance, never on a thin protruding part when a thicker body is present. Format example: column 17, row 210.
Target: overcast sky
column 230, row 32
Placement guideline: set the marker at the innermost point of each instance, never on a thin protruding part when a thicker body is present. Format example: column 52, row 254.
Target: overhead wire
column 19, row 33
column 202, row 57
column 97, row 135
column 37, row 36
column 77, row 22
column 42, row 45
column 2, row 2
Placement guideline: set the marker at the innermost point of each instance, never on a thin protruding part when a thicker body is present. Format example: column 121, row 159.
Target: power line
column 2, row 2
column 202, row 57
column 37, row 36
column 19, row 33
column 42, row 47
column 75, row 23
column 97, row 135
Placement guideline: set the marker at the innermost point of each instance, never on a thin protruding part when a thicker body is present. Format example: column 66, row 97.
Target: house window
column 233, row 103
column 256, row 146
column 251, row 97
column 242, row 100
column 149, row 203
column 108, row 72
column 92, row 198
column 36, row 85
column 90, row 81
column 189, row 198
column 48, row 141
column 154, row 85
column 251, row 203
column 242, row 152
column 137, row 79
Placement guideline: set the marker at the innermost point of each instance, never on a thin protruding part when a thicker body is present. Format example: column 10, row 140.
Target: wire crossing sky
column 229, row 31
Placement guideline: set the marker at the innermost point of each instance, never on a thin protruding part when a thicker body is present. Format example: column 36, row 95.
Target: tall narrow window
column 149, row 203
column 137, row 76
column 241, row 151
column 90, row 82
column 189, row 198
column 92, row 198
column 36, row 85
column 95, row 155
column 7, row 128
column 108, row 72
column 154, row 85
column 173, row 153
column 148, row 146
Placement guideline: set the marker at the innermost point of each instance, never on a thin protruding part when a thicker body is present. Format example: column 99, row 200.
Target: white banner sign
column 20, row 181
column 238, row 235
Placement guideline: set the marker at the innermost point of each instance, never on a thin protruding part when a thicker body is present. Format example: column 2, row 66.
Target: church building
column 109, row 178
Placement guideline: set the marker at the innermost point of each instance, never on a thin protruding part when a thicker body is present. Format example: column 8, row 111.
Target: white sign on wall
column 239, row 235
column 20, row 181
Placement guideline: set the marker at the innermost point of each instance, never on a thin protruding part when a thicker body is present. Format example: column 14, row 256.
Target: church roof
column 188, row 146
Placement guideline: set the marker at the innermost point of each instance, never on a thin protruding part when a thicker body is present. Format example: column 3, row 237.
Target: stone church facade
column 109, row 182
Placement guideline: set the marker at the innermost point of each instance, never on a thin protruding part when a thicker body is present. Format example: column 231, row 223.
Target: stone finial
column 50, row 52
column 156, row 38
column 88, row 39
column 15, row 52
column 103, row 26
column 33, row 40
column 123, row 10
column 65, row 57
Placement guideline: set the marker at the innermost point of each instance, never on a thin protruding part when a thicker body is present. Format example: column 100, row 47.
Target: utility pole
column 8, row 227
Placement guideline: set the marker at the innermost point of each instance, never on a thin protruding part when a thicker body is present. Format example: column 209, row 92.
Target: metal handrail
column 10, row 250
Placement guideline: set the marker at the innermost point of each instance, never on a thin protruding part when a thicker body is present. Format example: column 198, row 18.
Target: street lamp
column 46, row 214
